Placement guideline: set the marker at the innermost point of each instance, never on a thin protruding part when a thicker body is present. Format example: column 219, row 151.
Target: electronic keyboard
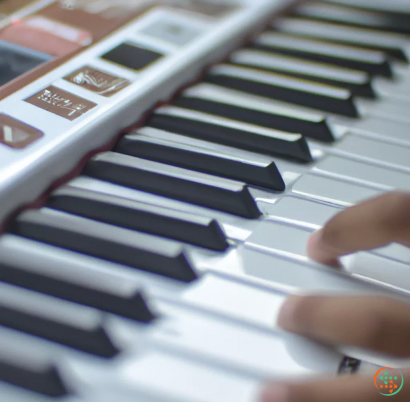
column 162, row 166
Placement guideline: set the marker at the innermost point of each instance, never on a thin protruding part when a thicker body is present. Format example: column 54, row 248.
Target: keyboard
column 162, row 166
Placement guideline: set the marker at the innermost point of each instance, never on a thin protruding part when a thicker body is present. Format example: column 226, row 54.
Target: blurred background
column 9, row 6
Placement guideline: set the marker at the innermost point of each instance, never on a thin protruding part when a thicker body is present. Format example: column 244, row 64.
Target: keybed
column 144, row 275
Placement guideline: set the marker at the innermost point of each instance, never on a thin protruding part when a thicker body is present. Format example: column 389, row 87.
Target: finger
column 343, row 389
column 371, row 224
column 374, row 323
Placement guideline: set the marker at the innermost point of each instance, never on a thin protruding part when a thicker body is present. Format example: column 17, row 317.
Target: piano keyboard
column 158, row 188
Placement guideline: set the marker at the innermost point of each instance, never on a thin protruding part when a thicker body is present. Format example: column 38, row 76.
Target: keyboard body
column 159, row 183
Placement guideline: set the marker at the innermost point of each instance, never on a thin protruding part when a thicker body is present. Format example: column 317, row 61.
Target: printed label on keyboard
column 16, row 134
column 61, row 103
column 97, row 81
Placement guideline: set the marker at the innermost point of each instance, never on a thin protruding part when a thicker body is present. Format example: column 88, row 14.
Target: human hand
column 374, row 323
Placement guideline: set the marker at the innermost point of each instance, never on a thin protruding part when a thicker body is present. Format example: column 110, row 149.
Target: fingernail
column 286, row 317
column 275, row 393
column 318, row 250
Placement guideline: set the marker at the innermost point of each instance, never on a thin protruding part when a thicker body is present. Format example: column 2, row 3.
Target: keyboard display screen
column 16, row 61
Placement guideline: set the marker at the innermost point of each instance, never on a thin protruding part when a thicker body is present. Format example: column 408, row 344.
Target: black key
column 203, row 160
column 197, row 230
column 357, row 82
column 288, row 89
column 392, row 44
column 370, row 61
column 90, row 288
column 232, row 133
column 56, row 320
column 354, row 17
column 220, row 101
column 23, row 367
column 132, row 56
column 137, row 250
column 184, row 185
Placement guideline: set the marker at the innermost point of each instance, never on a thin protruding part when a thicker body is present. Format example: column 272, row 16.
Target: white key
column 175, row 379
column 255, row 305
column 311, row 215
column 372, row 151
column 287, row 41
column 241, row 285
column 302, row 212
column 332, row 191
column 366, row 174
column 351, row 35
column 254, row 264
column 219, row 340
column 291, row 242
column 381, row 5
column 281, row 239
column 379, row 269
column 287, row 63
column 390, row 109
column 382, row 129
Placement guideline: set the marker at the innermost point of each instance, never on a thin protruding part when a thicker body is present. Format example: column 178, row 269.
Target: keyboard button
column 281, row 87
column 392, row 44
column 357, row 82
column 232, row 133
column 229, row 103
column 332, row 191
column 56, row 320
column 201, row 231
column 132, row 56
column 90, row 288
column 202, row 160
column 137, row 250
column 25, row 367
column 169, row 181
column 372, row 62
column 354, row 17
